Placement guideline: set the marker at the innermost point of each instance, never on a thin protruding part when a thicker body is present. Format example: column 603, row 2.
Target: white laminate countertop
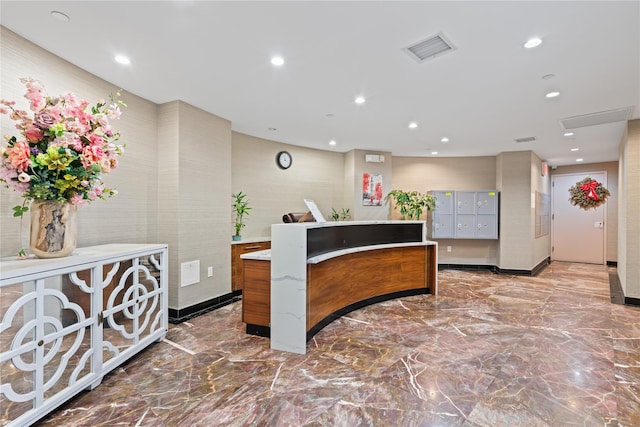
column 265, row 255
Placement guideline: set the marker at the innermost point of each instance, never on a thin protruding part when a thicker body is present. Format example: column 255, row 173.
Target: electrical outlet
column 209, row 271
column 448, row 248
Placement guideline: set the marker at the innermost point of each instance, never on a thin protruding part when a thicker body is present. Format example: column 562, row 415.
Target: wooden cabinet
column 238, row 249
column 256, row 298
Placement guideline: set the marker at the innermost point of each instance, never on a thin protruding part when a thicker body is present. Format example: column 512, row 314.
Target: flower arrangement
column 64, row 149
column 588, row 194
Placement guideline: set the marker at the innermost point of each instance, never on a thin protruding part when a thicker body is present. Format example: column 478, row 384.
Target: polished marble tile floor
column 489, row 350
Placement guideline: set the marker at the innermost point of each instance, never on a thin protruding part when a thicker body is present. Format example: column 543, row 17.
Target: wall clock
column 284, row 160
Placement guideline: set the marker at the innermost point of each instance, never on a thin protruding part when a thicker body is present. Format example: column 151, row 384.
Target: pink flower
column 35, row 93
column 96, row 139
column 18, row 155
column 77, row 200
column 33, row 134
column 91, row 154
column 44, row 119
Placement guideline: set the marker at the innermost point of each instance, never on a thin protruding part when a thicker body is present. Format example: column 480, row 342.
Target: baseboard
column 615, row 289
column 497, row 270
column 183, row 314
column 632, row 301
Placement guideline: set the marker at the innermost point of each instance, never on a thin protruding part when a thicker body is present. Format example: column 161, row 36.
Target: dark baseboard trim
column 237, row 293
column 183, row 314
column 497, row 270
column 261, row 331
column 265, row 331
column 632, row 301
column 617, row 296
column 612, row 263
column 615, row 289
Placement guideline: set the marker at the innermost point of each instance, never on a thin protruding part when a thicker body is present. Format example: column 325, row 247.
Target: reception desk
column 317, row 272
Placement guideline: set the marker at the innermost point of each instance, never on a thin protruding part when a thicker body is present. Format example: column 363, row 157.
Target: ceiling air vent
column 525, row 139
column 600, row 118
column 430, row 48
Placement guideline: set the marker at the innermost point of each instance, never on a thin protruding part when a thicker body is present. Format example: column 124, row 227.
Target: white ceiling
column 483, row 95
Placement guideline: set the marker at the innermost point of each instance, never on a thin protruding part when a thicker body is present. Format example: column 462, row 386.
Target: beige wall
column 204, row 181
column 450, row 173
column 611, row 168
column 360, row 166
column 131, row 215
column 173, row 184
column 272, row 192
column 629, row 214
column 542, row 184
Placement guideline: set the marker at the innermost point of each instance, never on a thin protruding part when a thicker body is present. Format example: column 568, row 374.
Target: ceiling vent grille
column 430, row 48
column 525, row 139
column 600, row 118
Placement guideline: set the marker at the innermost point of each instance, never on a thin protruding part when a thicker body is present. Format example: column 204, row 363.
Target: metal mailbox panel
column 465, row 202
column 487, row 202
column 465, row 226
column 442, row 226
column 487, row 227
column 444, row 202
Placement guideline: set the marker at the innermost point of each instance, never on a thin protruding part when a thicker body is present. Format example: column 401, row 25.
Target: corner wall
column 629, row 212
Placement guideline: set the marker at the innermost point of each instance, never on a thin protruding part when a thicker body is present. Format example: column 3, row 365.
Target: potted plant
column 411, row 203
column 241, row 208
column 343, row 215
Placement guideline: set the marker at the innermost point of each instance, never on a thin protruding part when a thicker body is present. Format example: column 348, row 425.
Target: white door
column 577, row 235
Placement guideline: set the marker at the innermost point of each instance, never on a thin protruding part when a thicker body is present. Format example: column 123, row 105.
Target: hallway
column 489, row 350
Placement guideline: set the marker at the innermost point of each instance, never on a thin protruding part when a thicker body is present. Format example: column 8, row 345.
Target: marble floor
column 489, row 350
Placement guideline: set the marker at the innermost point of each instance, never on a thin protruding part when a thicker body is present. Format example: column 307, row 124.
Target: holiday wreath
column 588, row 194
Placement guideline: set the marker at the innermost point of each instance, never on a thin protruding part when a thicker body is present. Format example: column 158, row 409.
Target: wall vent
column 525, row 139
column 430, row 48
column 599, row 118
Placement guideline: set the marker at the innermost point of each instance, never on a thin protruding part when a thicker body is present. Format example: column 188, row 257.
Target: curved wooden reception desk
column 315, row 273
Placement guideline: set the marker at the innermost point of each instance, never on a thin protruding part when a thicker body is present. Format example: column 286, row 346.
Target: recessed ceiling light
column 548, row 76
column 360, row 100
column 532, row 42
column 332, row 142
column 277, row 61
column 575, row 149
column 413, row 125
column 329, row 115
column 59, row 16
column 552, row 94
column 444, row 139
column 272, row 129
column 580, row 160
column 121, row 59
column 434, row 152
column 568, row 134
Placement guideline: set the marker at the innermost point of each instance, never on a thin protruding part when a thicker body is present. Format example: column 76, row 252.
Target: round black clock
column 284, row 160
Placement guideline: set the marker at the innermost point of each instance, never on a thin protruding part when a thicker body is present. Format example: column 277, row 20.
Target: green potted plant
column 411, row 203
column 343, row 215
column 240, row 208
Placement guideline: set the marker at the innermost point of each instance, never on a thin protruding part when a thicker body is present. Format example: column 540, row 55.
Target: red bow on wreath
column 590, row 189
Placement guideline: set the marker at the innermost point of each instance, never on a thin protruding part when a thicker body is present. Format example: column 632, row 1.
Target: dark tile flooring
column 489, row 350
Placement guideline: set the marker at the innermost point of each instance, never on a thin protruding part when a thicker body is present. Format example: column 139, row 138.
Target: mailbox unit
column 465, row 215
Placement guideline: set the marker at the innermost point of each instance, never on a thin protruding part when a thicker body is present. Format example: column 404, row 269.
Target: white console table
column 66, row 322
